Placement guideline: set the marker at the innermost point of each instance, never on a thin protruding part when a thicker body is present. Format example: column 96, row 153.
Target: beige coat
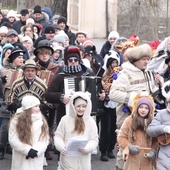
column 138, row 162
column 130, row 82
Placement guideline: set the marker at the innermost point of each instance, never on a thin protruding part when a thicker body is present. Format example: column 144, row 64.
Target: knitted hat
column 87, row 40
column 56, row 17
column 12, row 32
column 15, row 53
column 29, row 102
column 24, row 12
column 81, row 32
column 49, row 30
column 62, row 19
column 79, row 101
column 143, row 98
column 136, row 53
column 27, row 38
column 71, row 51
column 59, row 38
column 43, row 44
column 113, row 34
column 37, row 9
column 30, row 63
column 3, row 30
column 89, row 50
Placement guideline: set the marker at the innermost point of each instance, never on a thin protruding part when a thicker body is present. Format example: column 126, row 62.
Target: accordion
column 12, row 75
column 92, row 84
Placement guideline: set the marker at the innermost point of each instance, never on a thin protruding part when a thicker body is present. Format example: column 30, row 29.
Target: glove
column 63, row 151
column 32, row 154
column 151, row 155
column 83, row 151
column 133, row 149
column 167, row 129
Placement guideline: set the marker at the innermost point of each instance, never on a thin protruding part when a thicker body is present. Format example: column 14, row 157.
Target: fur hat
column 78, row 101
column 143, row 98
column 62, row 19
column 113, row 34
column 27, row 38
column 37, row 9
column 15, row 53
column 71, row 51
column 136, row 53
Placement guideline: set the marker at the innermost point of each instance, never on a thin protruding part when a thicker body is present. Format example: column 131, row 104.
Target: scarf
column 72, row 69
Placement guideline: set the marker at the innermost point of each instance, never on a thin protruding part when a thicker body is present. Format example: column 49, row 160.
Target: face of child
column 143, row 110
column 56, row 54
column 35, row 109
column 114, row 64
column 80, row 109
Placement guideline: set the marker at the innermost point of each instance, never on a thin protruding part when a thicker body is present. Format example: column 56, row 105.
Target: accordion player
column 92, row 84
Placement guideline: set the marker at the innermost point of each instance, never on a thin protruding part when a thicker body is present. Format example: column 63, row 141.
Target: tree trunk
column 60, row 6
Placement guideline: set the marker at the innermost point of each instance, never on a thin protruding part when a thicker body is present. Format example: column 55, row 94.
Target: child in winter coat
column 28, row 136
column 138, row 148
column 76, row 124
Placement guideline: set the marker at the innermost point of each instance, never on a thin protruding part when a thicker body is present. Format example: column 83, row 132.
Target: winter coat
column 17, row 26
column 130, row 81
column 105, row 49
column 20, row 149
column 64, row 132
column 155, row 129
column 137, row 161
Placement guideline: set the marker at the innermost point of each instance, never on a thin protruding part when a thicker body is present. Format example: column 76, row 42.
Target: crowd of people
column 55, row 87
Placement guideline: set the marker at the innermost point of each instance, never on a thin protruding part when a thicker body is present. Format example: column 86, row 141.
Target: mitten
column 133, row 149
column 63, row 151
column 167, row 129
column 32, row 154
column 83, row 151
column 151, row 155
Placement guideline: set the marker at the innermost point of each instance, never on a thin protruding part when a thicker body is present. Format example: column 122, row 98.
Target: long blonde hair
column 23, row 127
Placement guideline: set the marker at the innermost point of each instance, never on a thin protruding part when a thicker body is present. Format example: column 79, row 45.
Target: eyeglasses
column 72, row 59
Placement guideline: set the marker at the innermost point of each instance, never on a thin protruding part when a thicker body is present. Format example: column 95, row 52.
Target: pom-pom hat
column 143, row 98
column 71, row 51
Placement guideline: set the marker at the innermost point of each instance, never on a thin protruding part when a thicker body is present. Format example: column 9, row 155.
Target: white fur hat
column 136, row 53
column 29, row 101
column 113, row 34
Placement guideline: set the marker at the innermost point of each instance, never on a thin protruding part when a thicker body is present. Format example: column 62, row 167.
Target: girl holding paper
column 77, row 123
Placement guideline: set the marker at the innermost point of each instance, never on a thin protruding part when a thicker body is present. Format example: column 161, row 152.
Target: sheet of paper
column 74, row 143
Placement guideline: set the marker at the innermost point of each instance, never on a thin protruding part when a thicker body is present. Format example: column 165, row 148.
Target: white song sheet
column 74, row 143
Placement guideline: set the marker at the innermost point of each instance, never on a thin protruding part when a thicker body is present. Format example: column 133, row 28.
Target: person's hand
column 83, row 151
column 63, row 151
column 167, row 129
column 102, row 96
column 32, row 154
column 133, row 149
column 159, row 79
column 66, row 99
column 151, row 155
